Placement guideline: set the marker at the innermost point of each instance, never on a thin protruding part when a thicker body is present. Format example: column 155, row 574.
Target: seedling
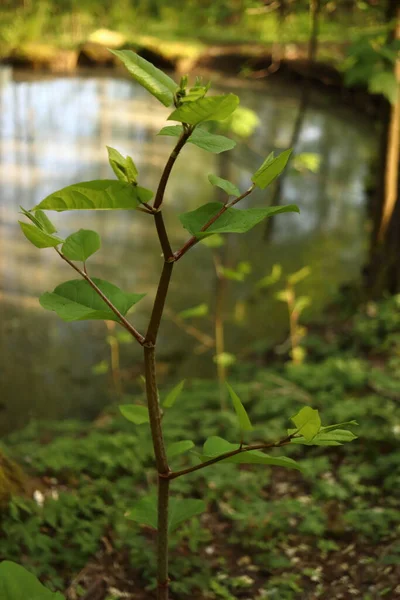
column 88, row 297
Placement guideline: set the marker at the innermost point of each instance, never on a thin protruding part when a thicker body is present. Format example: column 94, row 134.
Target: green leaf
column 124, row 168
column 81, row 245
column 160, row 85
column 202, row 138
column 338, row 426
column 183, row 509
column 301, row 303
column 231, row 274
column 243, row 418
column 335, row 437
column 226, row 359
column 231, row 221
column 213, row 241
column 39, row 238
column 145, row 511
column 201, row 310
column 298, row 276
column 271, row 279
column 135, row 413
column 173, row 395
column 225, row 185
column 102, row 194
column 76, row 300
column 385, row 83
column 178, row 448
column 16, row 583
column 308, row 422
column 213, row 108
column 271, row 169
column 215, row 446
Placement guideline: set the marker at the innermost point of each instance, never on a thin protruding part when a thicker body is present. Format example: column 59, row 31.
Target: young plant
column 88, row 297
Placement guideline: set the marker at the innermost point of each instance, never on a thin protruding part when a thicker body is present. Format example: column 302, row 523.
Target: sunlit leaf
column 298, row 276
column 102, row 194
column 243, row 417
column 201, row 310
column 215, row 446
column 123, row 167
column 271, row 169
column 231, row 221
column 385, row 83
column 135, row 413
column 16, row 583
column 160, row 85
column 38, row 237
column 308, row 422
column 271, row 279
column 173, row 395
column 81, row 244
column 213, row 108
column 226, row 359
column 335, row 437
column 225, row 185
column 76, row 300
column 202, row 138
column 178, row 448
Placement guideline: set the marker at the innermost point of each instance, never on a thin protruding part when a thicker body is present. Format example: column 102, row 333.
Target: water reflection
column 54, row 132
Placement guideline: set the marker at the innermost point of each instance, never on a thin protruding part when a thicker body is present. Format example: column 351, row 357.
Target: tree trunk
column 383, row 270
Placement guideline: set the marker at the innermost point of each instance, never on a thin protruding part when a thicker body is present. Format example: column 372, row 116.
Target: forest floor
column 330, row 531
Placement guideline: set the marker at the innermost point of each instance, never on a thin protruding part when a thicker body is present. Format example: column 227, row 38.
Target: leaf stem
column 194, row 240
column 124, row 322
column 240, row 450
column 168, row 167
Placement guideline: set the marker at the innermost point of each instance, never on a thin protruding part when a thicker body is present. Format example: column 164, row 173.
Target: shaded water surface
column 53, row 132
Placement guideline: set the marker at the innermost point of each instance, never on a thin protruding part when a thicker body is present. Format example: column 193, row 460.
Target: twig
column 225, row 455
column 194, row 240
column 138, row 336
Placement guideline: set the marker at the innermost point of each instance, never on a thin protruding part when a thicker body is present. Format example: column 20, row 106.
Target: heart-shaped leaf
column 76, row 300
column 308, row 422
column 81, row 245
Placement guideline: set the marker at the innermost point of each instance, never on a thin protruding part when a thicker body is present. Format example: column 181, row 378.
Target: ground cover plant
column 330, row 531
column 91, row 298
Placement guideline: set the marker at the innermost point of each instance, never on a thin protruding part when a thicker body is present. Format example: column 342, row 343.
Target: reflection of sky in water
column 54, row 133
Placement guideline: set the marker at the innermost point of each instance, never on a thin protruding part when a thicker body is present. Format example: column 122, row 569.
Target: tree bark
column 383, row 270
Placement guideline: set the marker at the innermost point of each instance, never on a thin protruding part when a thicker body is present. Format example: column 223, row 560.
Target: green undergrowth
column 267, row 533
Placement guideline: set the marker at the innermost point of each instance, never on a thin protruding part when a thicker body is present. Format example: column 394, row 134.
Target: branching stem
column 194, row 240
column 240, row 450
column 138, row 336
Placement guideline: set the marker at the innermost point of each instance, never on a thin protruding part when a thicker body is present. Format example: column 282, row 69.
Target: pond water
column 53, row 132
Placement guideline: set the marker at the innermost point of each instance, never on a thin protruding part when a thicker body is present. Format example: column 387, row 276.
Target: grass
column 267, row 533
